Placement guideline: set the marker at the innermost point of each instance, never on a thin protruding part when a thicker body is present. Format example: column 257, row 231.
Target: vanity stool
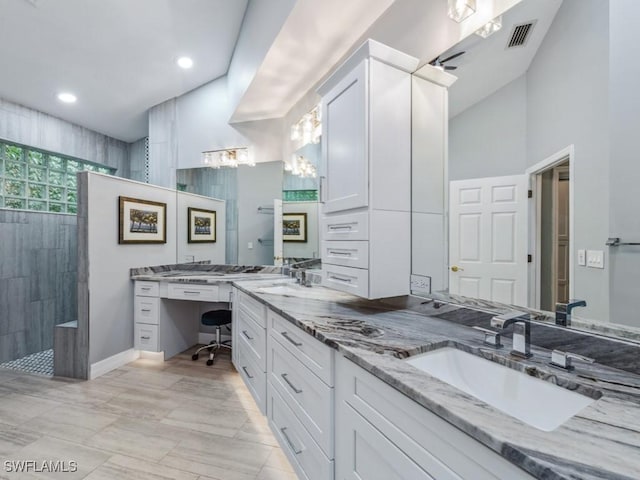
column 214, row 318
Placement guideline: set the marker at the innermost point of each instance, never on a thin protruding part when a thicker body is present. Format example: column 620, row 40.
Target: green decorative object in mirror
column 300, row 195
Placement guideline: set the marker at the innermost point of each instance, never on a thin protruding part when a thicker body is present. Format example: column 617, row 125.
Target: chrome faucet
column 563, row 311
column 521, row 331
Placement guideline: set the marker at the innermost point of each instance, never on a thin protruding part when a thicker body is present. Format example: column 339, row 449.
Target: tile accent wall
column 38, row 271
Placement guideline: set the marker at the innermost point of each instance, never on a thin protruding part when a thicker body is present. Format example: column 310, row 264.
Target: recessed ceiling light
column 185, row 62
column 67, row 97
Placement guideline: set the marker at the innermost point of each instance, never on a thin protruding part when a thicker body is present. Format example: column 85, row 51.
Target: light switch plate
column 595, row 258
column 582, row 257
column 250, row 245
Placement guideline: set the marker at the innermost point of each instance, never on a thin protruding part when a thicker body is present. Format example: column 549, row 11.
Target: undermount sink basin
column 282, row 289
column 536, row 402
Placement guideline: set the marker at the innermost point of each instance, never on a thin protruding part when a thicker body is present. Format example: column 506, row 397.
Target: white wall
column 490, row 138
column 257, row 187
column 108, row 262
column 262, row 22
column 214, row 252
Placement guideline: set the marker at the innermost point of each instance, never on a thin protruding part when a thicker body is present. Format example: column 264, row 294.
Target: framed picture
column 294, row 227
column 142, row 221
column 202, row 226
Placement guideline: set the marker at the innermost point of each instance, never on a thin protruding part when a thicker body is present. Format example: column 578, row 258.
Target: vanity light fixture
column 309, row 128
column 301, row 167
column 185, row 62
column 490, row 28
column 460, row 10
column 67, row 97
column 228, row 157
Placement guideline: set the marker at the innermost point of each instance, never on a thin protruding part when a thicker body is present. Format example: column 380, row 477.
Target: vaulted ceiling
column 117, row 56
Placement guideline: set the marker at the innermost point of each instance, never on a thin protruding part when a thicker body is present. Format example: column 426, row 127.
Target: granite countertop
column 204, row 273
column 600, row 442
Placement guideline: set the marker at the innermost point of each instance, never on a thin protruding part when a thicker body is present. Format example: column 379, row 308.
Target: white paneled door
column 488, row 238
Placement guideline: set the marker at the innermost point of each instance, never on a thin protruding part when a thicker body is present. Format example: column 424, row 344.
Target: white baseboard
column 115, row 361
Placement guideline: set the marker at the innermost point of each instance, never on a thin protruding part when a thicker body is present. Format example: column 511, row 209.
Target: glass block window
column 32, row 179
column 300, row 195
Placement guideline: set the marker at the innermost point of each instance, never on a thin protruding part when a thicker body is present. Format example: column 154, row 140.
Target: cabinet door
column 344, row 143
column 365, row 453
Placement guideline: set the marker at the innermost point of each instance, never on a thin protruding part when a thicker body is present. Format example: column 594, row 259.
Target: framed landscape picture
column 141, row 221
column 294, row 227
column 201, row 225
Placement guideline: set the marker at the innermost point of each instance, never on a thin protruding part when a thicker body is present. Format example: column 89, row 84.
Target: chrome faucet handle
column 563, row 311
column 562, row 359
column 491, row 337
column 505, row 319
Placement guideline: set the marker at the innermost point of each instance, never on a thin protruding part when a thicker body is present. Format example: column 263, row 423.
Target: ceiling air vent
column 520, row 34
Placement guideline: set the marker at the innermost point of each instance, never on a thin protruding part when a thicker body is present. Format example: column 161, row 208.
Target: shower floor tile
column 40, row 363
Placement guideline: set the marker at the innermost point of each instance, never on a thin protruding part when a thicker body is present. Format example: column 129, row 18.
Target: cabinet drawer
column 303, row 453
column 254, row 378
column 352, row 226
column 346, row 279
column 252, row 308
column 147, row 289
column 347, row 253
column 308, row 397
column 146, row 337
column 181, row 291
column 253, row 338
column 146, row 310
column 316, row 356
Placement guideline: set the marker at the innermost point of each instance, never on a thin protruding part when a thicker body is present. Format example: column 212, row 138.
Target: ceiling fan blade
column 455, row 55
column 435, row 61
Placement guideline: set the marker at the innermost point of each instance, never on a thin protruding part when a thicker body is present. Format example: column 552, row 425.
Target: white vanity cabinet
column 166, row 315
column 146, row 316
column 300, row 373
column 366, row 173
column 383, row 435
column 249, row 334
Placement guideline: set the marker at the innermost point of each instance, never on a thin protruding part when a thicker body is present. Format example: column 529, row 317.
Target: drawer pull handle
column 285, row 334
column 247, row 372
column 286, row 437
column 146, row 289
column 340, row 279
column 188, row 292
column 244, row 332
column 145, row 338
column 146, row 309
column 335, row 252
column 340, row 227
column 293, row 387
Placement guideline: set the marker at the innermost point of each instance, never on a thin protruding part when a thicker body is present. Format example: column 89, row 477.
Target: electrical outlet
column 420, row 285
column 595, row 258
column 582, row 257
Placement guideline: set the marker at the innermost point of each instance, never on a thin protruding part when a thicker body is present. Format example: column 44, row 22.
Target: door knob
column 455, row 268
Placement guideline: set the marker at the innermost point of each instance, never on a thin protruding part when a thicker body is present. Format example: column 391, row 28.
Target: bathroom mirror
column 249, row 193
column 544, row 112
column 300, row 203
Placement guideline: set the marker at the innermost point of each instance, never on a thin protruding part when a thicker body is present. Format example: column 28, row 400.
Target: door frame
column 535, row 218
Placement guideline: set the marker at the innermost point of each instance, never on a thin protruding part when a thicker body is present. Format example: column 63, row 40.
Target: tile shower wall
column 38, row 253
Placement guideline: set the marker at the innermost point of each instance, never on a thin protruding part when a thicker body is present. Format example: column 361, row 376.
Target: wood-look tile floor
column 174, row 420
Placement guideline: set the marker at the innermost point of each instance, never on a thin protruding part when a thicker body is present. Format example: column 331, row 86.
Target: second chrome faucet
column 521, row 331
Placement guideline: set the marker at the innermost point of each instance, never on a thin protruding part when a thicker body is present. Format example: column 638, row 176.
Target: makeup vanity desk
column 168, row 303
